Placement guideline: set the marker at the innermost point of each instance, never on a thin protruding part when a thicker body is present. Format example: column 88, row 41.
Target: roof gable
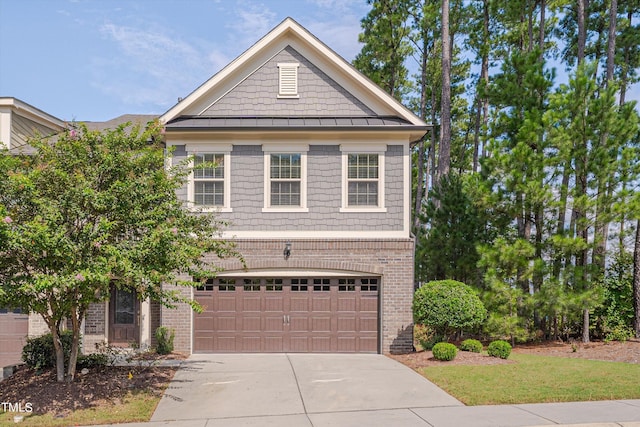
column 334, row 79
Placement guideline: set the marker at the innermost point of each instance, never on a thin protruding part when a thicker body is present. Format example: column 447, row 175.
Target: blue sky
column 93, row 60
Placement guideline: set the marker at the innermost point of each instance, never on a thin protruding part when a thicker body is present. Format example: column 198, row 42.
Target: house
column 313, row 175
column 19, row 122
column 314, row 178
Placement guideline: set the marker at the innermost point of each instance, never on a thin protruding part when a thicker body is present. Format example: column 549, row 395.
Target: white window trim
column 269, row 149
column 367, row 149
column 225, row 150
column 291, row 67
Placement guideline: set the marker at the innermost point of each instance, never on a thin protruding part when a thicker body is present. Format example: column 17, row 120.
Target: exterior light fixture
column 287, row 250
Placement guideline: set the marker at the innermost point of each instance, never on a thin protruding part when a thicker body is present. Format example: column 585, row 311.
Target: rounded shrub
column 444, row 351
column 499, row 348
column 39, row 353
column 165, row 337
column 473, row 346
column 447, row 306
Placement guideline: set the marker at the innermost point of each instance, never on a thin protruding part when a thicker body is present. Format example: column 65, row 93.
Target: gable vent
column 288, row 80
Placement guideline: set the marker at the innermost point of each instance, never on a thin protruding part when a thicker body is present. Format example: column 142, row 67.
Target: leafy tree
column 93, row 210
column 448, row 306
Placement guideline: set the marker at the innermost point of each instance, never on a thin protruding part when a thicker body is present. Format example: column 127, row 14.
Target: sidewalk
column 301, row 390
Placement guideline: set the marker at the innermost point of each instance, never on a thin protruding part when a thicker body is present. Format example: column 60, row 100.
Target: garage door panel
column 225, row 324
column 252, row 303
column 251, row 324
column 288, row 315
column 346, row 304
column 299, row 304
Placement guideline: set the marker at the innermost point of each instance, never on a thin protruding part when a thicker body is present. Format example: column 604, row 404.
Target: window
column 288, row 80
column 363, row 179
column 285, row 179
column 210, row 183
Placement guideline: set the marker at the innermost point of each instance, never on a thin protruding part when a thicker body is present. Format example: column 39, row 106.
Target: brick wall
column 392, row 260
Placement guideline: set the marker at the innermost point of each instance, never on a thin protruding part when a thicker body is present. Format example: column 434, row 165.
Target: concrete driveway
column 297, row 390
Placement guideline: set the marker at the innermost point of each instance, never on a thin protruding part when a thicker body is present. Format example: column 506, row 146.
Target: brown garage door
column 13, row 331
column 287, row 315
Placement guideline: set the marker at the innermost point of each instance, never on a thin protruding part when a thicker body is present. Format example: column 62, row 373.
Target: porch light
column 287, row 250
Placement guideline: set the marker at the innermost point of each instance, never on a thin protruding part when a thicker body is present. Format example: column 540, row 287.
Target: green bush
column 499, row 348
column 473, row 346
column 444, row 351
column 39, row 353
column 447, row 306
column 165, row 337
column 91, row 360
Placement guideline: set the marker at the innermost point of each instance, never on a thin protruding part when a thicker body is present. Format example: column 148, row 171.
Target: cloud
column 251, row 22
column 153, row 67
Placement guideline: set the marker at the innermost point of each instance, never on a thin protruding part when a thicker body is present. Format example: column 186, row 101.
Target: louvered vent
column 288, row 80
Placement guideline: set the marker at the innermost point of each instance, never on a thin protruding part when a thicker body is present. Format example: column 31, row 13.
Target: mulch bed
column 628, row 352
column 101, row 385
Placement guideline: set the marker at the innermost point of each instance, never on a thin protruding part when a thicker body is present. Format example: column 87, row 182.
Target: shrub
column 446, row 306
column 426, row 336
column 165, row 337
column 444, row 351
column 473, row 346
column 92, row 360
column 39, row 353
column 499, row 348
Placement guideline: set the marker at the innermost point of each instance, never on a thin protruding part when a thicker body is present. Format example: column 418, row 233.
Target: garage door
column 287, row 315
column 13, row 331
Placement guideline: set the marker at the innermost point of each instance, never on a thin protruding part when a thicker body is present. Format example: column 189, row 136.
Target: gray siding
column 324, row 193
column 319, row 94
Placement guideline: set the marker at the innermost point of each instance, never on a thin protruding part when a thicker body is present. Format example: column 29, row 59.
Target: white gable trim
column 283, row 30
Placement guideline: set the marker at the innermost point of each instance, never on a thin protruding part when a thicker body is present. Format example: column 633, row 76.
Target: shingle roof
column 194, row 123
column 134, row 119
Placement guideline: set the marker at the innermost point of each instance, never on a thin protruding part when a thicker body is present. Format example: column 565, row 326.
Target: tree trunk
column 444, row 155
column 57, row 346
column 76, row 319
column 582, row 30
column 636, row 282
column 423, row 142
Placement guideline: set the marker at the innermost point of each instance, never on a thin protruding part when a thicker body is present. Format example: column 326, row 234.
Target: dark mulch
column 100, row 386
column 628, row 352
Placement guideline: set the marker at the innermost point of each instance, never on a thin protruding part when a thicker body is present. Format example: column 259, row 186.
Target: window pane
column 362, row 166
column 363, row 194
column 285, row 166
column 209, row 193
column 285, row 193
column 211, row 172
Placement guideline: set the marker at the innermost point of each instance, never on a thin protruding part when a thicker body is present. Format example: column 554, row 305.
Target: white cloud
column 152, row 66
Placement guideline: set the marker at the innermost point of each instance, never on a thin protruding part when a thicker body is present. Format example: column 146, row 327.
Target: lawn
column 134, row 407
column 538, row 379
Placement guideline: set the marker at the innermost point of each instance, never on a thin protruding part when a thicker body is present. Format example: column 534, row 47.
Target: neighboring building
column 19, row 122
column 313, row 176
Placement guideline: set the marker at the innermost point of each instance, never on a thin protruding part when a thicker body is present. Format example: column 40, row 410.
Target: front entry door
column 124, row 310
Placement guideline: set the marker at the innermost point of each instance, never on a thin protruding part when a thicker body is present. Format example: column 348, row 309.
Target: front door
column 124, row 310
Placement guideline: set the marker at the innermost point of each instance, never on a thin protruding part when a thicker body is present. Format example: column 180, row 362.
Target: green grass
column 136, row 407
column 538, row 379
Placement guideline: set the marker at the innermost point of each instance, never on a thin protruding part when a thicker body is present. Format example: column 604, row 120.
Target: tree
column 444, row 154
column 386, row 47
column 447, row 306
column 93, row 210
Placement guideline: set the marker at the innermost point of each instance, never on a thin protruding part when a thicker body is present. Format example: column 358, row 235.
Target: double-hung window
column 285, row 178
column 363, row 179
column 210, row 180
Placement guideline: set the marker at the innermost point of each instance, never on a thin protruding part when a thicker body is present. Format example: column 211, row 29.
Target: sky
column 94, row 60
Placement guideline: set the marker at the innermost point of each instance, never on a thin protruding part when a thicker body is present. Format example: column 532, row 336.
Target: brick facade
column 392, row 260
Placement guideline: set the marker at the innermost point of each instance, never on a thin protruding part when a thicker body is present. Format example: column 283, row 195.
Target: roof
column 31, row 112
column 196, row 123
column 134, row 119
column 287, row 32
